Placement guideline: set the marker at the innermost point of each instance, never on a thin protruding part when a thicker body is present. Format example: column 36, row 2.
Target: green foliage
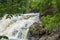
column 51, row 22
column 58, row 5
column 26, row 6
column 13, row 6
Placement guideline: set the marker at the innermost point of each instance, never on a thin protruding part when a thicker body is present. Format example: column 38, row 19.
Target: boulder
column 36, row 31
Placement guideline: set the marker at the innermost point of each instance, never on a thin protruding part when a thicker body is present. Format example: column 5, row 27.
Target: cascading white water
column 16, row 27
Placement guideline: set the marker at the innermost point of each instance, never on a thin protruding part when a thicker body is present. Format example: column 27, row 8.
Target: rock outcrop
column 38, row 32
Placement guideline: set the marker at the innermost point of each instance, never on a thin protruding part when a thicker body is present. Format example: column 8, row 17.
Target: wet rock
column 43, row 38
column 53, row 37
column 4, row 37
column 36, row 30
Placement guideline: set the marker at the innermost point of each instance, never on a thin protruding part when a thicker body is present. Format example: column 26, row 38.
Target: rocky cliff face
column 38, row 32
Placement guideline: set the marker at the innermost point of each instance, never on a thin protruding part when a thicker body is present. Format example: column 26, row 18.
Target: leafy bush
column 13, row 6
column 26, row 6
column 51, row 22
column 23, row 6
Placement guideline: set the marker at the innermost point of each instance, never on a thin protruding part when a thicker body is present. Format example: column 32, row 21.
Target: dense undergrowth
column 48, row 8
column 51, row 22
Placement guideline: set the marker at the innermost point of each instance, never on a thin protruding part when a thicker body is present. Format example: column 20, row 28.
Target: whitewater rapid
column 16, row 27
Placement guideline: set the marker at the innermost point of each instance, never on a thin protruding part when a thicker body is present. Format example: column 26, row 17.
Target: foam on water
column 16, row 27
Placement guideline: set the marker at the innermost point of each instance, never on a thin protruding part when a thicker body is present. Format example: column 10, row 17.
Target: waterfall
column 16, row 27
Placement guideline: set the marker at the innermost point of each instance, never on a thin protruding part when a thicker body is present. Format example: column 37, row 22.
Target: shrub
column 51, row 22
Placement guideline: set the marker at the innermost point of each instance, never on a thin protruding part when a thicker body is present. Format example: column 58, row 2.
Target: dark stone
column 5, row 37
